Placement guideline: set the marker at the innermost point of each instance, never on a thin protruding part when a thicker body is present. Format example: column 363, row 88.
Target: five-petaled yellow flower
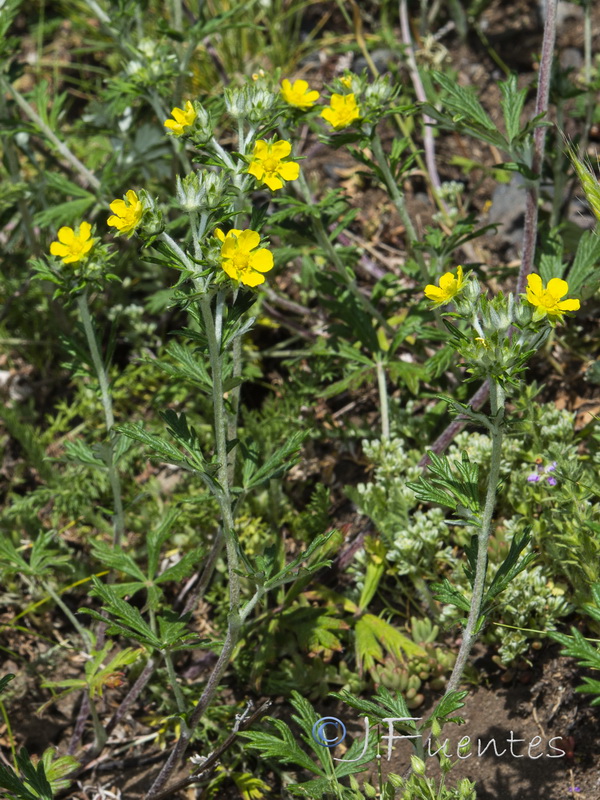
column 450, row 286
column 298, row 94
column 240, row 258
column 73, row 246
column 126, row 217
column 267, row 163
column 182, row 119
column 342, row 111
column 548, row 301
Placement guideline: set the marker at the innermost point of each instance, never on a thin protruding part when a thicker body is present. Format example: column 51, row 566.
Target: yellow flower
column 297, row 94
column 240, row 259
column 342, row 112
column 73, row 246
column 449, row 287
column 182, row 119
column 267, row 163
column 125, row 217
column 346, row 81
column 547, row 301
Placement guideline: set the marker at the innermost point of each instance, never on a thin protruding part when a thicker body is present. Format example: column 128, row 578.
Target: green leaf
column 123, row 617
column 455, row 486
column 282, row 747
column 510, row 568
column 387, row 705
column 513, row 100
column 551, row 264
column 372, row 634
column 447, row 705
column 278, row 463
column 5, row 680
column 444, row 592
column 290, row 571
column 585, row 270
column 463, row 102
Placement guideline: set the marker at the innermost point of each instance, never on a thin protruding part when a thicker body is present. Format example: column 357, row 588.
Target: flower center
column 240, row 261
column 547, row 300
column 270, row 164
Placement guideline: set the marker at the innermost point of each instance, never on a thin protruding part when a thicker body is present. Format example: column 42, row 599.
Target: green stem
column 62, row 148
column 176, row 689
column 383, row 399
column 472, row 627
column 113, row 475
column 87, row 641
column 394, row 191
column 212, row 326
column 100, row 735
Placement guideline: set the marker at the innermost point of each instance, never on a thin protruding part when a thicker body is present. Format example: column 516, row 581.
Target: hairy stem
column 471, row 629
column 539, row 141
column 62, row 148
column 113, row 475
column 383, row 400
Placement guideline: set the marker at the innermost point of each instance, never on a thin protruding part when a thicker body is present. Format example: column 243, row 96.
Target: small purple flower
column 550, row 468
column 552, row 481
column 533, row 478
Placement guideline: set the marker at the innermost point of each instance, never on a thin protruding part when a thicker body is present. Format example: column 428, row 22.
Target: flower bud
column 417, row 765
column 200, row 190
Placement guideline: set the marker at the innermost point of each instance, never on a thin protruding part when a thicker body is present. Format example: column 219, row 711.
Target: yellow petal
column 433, row 292
column 262, row 260
column 289, row 171
column 256, row 169
column 534, row 282
column 115, row 222
column 273, row 182
column 557, row 288
column 85, row 230
column 446, row 280
column 250, row 278
column 569, row 305
column 261, row 149
column 58, row 249
column 118, row 207
column 248, row 240
column 66, row 235
column 281, row 149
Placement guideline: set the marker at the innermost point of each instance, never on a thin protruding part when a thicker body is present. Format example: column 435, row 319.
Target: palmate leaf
column 513, row 100
column 292, row 570
column 447, row 705
column 453, row 485
column 282, row 747
column 314, row 630
column 314, row 789
column 444, row 592
column 373, row 635
column 189, row 367
column 384, row 704
column 278, row 463
column 585, row 272
column 510, row 568
column 193, row 461
column 33, row 786
column 123, row 617
column 5, row 680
